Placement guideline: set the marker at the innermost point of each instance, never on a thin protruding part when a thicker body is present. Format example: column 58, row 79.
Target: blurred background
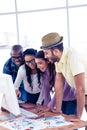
column 26, row 21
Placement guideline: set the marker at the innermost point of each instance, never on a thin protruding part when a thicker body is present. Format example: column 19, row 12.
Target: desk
column 37, row 111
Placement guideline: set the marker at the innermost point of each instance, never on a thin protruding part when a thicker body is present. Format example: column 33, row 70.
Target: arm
column 52, row 103
column 10, row 68
column 80, row 91
column 7, row 67
column 59, row 83
column 19, row 78
column 40, row 99
column 18, row 82
column 41, row 96
column 45, row 90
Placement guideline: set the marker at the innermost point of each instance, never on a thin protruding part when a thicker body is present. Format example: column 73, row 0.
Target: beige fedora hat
column 51, row 40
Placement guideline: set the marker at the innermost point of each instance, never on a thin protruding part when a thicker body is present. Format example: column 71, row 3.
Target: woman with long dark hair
column 30, row 75
column 69, row 103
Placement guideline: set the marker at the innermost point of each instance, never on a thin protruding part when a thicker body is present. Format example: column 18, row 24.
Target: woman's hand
column 41, row 108
column 18, row 93
column 56, row 111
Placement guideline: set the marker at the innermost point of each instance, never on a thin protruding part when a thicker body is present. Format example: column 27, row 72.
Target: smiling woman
column 30, row 75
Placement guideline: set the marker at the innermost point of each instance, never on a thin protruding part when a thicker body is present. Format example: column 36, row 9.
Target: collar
column 64, row 56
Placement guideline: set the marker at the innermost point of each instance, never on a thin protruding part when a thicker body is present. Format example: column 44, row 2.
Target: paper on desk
column 84, row 115
column 23, row 123
column 84, row 118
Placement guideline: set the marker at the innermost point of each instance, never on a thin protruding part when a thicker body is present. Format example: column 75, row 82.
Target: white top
column 21, row 76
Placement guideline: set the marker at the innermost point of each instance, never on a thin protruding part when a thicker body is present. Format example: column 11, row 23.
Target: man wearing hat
column 69, row 66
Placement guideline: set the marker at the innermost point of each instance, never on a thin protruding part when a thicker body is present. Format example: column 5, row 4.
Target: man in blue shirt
column 12, row 65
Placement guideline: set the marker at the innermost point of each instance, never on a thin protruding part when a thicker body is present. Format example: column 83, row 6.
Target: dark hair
column 60, row 47
column 51, row 67
column 17, row 48
column 40, row 54
column 52, row 74
column 31, row 51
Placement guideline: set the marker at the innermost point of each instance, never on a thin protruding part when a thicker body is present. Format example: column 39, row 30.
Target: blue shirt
column 10, row 68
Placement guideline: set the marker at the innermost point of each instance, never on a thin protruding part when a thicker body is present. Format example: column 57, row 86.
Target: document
column 23, row 123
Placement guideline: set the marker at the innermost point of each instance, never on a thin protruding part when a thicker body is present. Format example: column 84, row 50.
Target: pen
column 38, row 117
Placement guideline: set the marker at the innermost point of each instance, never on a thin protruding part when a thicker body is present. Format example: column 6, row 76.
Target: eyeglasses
column 31, row 61
column 16, row 57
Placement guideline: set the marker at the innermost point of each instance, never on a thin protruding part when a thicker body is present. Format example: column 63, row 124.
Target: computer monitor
column 8, row 98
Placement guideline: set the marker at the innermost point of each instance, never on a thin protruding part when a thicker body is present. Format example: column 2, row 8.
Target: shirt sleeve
column 52, row 103
column 41, row 96
column 7, row 68
column 19, row 78
column 40, row 99
column 76, row 63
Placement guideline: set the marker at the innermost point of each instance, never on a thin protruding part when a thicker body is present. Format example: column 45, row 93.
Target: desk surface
column 41, row 110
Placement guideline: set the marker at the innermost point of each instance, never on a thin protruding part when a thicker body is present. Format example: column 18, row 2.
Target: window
column 27, row 5
column 32, row 26
column 78, row 27
column 26, row 21
column 8, row 30
column 7, row 6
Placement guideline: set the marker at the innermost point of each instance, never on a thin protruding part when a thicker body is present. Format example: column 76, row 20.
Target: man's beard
column 54, row 59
